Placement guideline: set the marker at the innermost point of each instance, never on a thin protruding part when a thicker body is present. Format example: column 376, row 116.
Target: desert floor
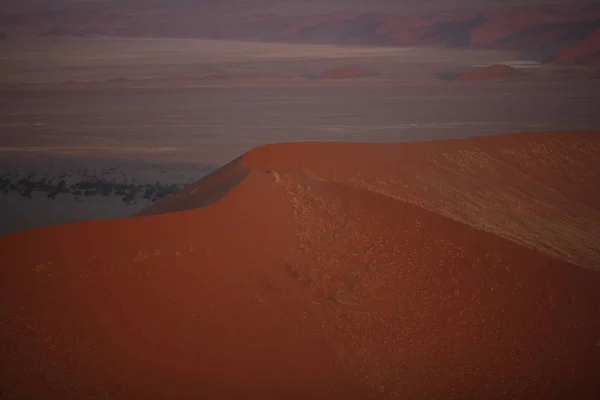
column 148, row 110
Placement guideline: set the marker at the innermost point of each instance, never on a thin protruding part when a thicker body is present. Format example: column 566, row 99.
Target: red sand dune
column 345, row 73
column 404, row 30
column 518, row 28
column 330, row 271
column 580, row 50
column 492, row 72
column 502, row 22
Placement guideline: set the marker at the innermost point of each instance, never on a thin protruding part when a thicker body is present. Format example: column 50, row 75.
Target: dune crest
column 527, row 188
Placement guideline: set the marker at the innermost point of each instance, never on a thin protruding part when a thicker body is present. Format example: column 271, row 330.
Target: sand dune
column 529, row 188
column 492, row 73
column 542, row 28
column 335, row 271
column 588, row 47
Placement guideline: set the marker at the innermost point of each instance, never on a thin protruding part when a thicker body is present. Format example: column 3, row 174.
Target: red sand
column 502, row 22
column 405, row 30
column 581, row 49
column 326, row 271
column 492, row 72
column 221, row 20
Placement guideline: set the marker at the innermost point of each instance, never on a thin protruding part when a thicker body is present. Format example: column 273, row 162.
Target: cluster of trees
column 95, row 187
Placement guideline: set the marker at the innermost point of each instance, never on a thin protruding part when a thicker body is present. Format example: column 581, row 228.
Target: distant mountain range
column 545, row 33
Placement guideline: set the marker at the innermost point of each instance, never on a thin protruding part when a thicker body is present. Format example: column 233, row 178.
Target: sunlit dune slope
column 540, row 190
column 320, row 271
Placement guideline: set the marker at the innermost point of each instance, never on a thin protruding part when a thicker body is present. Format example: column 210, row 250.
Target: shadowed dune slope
column 328, row 271
column 207, row 191
column 588, row 47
